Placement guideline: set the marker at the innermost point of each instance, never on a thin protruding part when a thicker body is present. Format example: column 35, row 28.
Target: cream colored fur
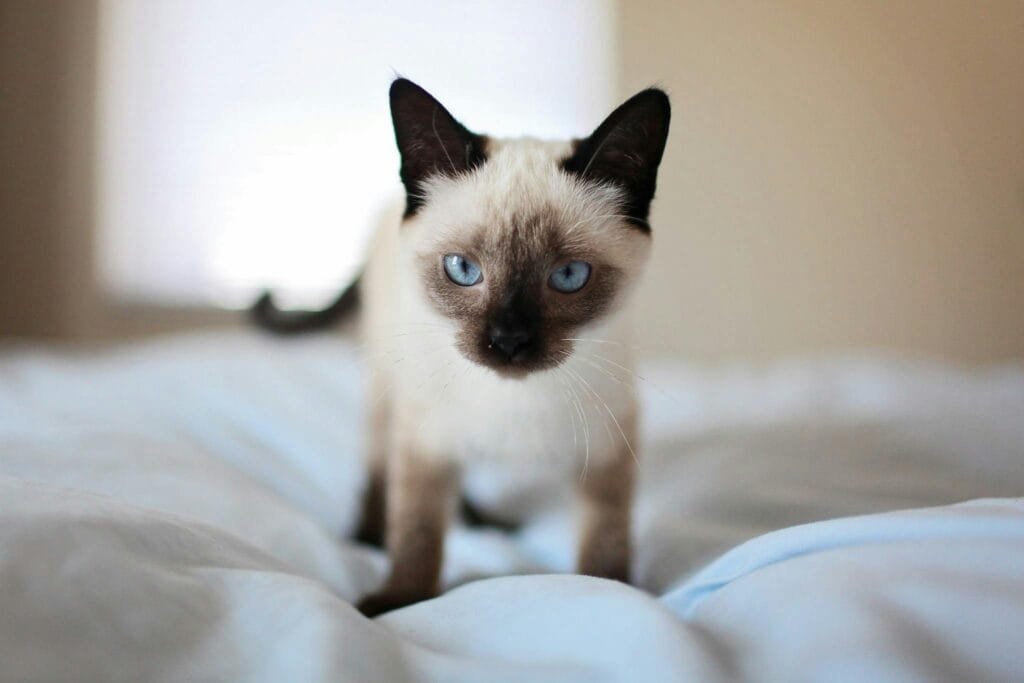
column 448, row 407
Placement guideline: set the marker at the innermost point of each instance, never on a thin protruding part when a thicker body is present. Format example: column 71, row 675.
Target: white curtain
column 248, row 144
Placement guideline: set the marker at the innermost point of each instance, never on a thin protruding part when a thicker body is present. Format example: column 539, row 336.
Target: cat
column 499, row 310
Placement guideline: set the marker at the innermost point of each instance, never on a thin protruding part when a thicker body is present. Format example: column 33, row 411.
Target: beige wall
column 48, row 287
column 46, row 144
column 839, row 175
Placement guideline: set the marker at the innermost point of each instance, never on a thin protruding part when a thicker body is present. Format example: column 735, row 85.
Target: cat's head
column 522, row 244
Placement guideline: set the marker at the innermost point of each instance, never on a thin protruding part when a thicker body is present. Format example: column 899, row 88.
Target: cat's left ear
column 626, row 150
column 430, row 140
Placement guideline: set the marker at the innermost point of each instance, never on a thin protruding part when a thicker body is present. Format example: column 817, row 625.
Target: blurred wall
column 46, row 125
column 48, row 284
column 839, row 175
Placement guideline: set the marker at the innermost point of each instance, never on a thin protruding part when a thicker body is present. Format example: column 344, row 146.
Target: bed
column 177, row 510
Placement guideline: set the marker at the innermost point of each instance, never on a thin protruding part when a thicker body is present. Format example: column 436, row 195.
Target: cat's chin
column 517, row 372
column 514, row 369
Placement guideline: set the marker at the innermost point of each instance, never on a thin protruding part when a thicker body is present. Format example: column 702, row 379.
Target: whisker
column 604, row 420
column 391, row 351
column 631, row 347
column 419, row 323
column 624, row 217
column 591, row 219
column 599, row 341
column 619, row 366
column 614, row 419
column 440, row 395
column 382, row 394
column 583, row 417
column 608, row 373
column 433, row 125
column 419, row 333
column 573, row 402
column 438, row 369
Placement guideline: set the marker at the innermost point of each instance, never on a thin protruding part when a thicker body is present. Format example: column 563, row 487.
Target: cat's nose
column 510, row 341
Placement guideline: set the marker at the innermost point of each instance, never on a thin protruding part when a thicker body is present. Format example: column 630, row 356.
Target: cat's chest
column 560, row 417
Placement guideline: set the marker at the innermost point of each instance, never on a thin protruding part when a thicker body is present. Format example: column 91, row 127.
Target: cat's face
column 520, row 257
column 521, row 245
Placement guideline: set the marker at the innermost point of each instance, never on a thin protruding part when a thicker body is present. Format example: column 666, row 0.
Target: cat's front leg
column 372, row 519
column 421, row 493
column 606, row 493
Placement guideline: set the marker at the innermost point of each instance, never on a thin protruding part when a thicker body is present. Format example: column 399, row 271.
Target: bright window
column 248, row 144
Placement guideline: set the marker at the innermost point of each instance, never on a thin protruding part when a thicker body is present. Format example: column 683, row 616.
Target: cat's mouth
column 512, row 355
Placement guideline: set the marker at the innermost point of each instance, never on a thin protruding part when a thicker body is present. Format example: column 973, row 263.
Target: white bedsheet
column 177, row 511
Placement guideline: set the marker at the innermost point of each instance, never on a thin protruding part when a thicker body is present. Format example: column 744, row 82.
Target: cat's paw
column 388, row 600
column 370, row 532
column 612, row 568
column 620, row 574
column 475, row 516
column 372, row 520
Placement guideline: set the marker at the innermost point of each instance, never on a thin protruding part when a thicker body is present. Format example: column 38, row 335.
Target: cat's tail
column 268, row 316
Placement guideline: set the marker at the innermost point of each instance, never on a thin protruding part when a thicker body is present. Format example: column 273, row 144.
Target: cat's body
column 497, row 319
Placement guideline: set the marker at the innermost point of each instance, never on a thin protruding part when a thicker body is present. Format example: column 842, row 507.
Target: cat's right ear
column 430, row 140
column 626, row 150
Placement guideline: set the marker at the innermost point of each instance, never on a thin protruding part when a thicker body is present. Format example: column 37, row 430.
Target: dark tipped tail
column 269, row 317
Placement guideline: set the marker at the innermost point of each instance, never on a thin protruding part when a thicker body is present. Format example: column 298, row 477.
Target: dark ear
column 429, row 139
column 626, row 150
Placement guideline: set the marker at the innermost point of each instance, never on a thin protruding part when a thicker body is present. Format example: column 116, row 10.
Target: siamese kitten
column 501, row 304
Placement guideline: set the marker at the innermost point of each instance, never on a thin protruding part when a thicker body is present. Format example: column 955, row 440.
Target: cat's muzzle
column 513, row 352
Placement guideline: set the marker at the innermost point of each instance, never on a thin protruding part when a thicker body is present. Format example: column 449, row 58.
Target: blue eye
column 570, row 277
column 461, row 270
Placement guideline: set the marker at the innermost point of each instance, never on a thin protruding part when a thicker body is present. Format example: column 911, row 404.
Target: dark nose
column 510, row 341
